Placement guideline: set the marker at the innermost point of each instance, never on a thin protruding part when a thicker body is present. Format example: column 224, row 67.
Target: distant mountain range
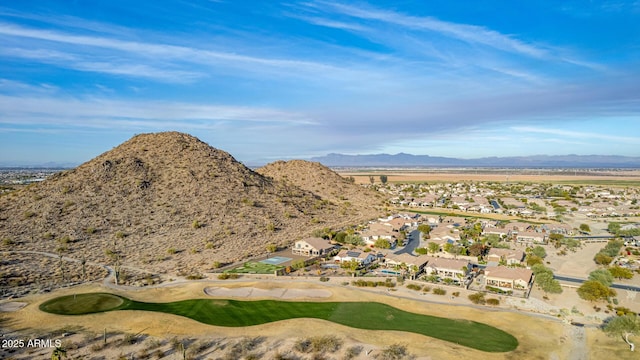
column 407, row 160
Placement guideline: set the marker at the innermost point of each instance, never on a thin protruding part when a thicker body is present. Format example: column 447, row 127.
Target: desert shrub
column 171, row 251
column 247, row 344
column 302, row 345
column 97, row 347
column 195, row 277
column 394, row 352
column 324, row 278
column 327, row 343
column 129, row 339
column 499, row 291
column 439, row 291
column 493, row 302
column 414, row 287
column 352, row 352
column 426, row 288
column 477, row 298
column 456, row 294
column 370, row 283
column 152, row 344
column 225, row 276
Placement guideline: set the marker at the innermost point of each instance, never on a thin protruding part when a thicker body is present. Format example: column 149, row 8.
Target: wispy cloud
column 579, row 135
column 165, row 53
column 100, row 113
column 468, row 33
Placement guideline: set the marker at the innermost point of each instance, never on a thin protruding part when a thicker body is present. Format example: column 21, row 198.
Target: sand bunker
column 280, row 293
column 12, row 306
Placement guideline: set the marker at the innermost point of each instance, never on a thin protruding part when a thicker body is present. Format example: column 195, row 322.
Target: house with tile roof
column 312, row 246
column 507, row 278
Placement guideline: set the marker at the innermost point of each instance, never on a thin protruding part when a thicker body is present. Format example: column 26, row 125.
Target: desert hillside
column 324, row 182
column 166, row 202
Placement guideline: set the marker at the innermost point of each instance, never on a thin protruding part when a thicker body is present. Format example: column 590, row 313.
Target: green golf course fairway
column 361, row 315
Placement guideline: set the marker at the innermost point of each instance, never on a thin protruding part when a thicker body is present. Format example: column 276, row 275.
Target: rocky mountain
column 165, row 202
column 402, row 159
column 352, row 199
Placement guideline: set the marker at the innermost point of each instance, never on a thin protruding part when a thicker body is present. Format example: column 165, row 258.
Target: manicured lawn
column 83, row 304
column 362, row 315
column 255, row 268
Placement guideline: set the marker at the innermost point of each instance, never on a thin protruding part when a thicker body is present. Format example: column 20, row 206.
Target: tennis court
column 276, row 260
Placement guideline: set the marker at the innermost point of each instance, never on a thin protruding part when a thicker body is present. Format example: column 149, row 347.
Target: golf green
column 362, row 315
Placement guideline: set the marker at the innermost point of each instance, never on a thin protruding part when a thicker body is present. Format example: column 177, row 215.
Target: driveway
column 414, row 243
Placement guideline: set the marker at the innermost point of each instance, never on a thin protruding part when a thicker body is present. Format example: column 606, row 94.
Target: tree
column 539, row 269
column 613, row 227
column 533, row 259
column 340, row 237
column 585, row 228
column 539, row 251
column 298, row 264
column 476, row 249
column 354, row 240
column 383, row 179
column 624, row 326
column 433, row 247
column 272, row 248
column 421, row 251
column 352, row 265
column 619, row 272
column 382, row 244
column 602, row 276
column 424, row 229
column 592, row 290
column 602, row 259
column 448, row 247
column 547, row 283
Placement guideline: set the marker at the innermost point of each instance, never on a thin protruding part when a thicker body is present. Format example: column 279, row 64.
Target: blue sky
column 294, row 79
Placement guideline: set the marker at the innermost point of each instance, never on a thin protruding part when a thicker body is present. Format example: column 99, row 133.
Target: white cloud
column 575, row 134
column 468, row 33
column 104, row 113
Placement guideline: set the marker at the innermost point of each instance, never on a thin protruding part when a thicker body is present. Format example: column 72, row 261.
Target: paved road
column 414, row 243
column 580, row 281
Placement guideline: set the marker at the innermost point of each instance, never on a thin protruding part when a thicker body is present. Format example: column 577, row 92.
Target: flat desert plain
column 497, row 175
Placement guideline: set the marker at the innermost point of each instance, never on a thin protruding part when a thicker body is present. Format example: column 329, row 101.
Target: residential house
column 506, row 256
column 312, row 247
column 531, row 237
column 444, row 234
column 447, row 268
column 378, row 231
column 363, row 258
column 554, row 228
column 393, row 260
column 517, row 226
column 507, row 278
